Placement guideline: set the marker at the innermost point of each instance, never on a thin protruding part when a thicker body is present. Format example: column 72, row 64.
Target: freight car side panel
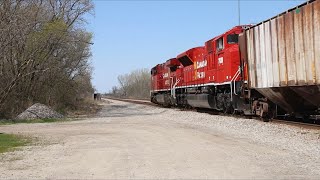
column 308, row 43
column 282, row 52
column 262, row 61
column 257, row 57
column 299, row 48
column 290, row 50
column 251, row 57
column 268, row 54
column 274, row 54
column 285, row 51
column 316, row 23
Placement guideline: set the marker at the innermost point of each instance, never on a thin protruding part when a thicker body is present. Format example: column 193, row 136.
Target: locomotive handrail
column 234, row 82
column 173, row 88
column 233, row 89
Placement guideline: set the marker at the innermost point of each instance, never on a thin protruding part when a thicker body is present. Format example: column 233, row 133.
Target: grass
column 9, row 142
column 86, row 109
column 48, row 120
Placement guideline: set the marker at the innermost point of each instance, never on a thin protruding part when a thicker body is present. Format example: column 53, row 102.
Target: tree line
column 135, row 84
column 44, row 54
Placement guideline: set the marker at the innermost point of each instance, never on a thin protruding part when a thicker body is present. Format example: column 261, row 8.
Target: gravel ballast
column 301, row 141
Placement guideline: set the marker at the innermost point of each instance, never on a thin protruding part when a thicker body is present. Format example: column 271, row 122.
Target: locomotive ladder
column 173, row 88
column 233, row 80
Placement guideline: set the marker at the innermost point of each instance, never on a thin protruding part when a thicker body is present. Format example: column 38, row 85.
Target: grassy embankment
column 48, row 120
column 9, row 142
column 87, row 109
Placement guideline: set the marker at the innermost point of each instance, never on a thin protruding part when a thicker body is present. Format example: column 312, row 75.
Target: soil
column 127, row 140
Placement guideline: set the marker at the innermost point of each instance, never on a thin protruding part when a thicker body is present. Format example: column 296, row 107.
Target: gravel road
column 141, row 142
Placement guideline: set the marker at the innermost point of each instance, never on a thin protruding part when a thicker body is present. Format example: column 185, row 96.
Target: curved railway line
column 278, row 121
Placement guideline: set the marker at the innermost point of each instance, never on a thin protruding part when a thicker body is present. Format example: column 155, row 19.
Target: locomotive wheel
column 228, row 110
column 263, row 117
column 272, row 114
column 235, row 112
column 227, row 107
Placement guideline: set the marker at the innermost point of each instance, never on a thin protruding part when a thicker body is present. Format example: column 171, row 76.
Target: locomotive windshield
column 220, row 44
column 232, row 38
column 153, row 71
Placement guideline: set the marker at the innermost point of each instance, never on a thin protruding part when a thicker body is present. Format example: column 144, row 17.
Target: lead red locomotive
column 269, row 69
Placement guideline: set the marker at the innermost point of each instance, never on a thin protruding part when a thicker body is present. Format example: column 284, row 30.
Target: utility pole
column 239, row 12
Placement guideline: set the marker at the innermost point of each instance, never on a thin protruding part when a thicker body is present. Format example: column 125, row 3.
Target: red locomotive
column 268, row 69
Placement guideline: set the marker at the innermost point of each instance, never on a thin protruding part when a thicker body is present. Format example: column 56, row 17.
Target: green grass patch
column 9, row 142
column 48, row 120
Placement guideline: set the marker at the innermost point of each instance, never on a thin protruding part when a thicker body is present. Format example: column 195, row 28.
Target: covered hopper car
column 268, row 69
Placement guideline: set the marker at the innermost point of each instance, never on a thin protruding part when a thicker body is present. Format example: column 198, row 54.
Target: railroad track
column 294, row 123
column 136, row 101
column 278, row 121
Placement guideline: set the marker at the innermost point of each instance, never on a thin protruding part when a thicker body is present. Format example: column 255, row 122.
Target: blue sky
column 129, row 35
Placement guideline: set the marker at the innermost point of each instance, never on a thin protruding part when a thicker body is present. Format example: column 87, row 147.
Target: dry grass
column 46, row 120
column 88, row 108
column 9, row 142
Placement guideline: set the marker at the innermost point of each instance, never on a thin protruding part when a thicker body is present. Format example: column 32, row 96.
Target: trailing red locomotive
column 269, row 69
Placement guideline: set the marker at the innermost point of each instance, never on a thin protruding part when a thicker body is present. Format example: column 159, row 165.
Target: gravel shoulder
column 136, row 141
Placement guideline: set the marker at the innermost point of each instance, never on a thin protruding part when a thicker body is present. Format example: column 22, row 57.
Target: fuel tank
column 201, row 101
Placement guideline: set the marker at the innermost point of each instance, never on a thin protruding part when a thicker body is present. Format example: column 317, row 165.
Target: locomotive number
column 220, row 60
column 201, row 75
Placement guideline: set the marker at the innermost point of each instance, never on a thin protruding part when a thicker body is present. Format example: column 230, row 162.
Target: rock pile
column 39, row 111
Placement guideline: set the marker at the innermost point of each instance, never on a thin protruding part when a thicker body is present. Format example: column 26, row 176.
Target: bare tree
column 136, row 84
column 45, row 53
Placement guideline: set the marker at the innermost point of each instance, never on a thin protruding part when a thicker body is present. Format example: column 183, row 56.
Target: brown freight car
column 282, row 56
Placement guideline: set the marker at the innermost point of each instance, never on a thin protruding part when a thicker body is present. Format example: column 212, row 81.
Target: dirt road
column 136, row 141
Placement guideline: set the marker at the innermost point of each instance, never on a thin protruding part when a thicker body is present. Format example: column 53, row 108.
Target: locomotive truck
column 269, row 69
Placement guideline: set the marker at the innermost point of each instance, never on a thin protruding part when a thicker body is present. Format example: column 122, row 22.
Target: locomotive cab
column 164, row 78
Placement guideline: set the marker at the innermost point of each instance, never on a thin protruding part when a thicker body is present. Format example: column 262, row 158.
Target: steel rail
column 278, row 121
